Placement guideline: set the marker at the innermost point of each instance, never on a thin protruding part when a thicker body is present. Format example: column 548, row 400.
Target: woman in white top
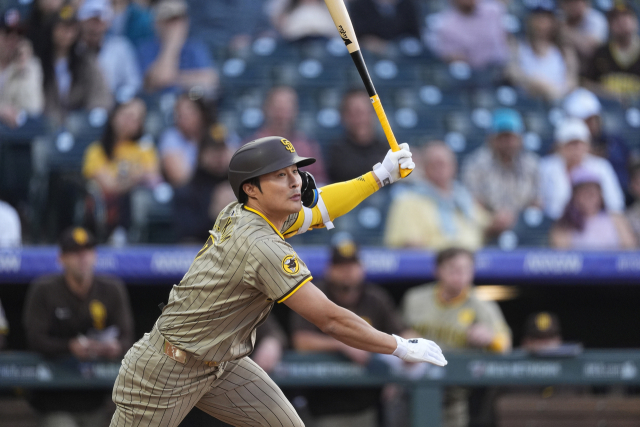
column 541, row 64
column 586, row 224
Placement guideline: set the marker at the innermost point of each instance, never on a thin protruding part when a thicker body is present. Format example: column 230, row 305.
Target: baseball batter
column 196, row 353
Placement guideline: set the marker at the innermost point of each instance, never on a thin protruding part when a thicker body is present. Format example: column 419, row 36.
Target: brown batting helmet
column 261, row 156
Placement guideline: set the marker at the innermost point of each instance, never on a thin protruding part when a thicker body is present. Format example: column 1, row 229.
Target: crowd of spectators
column 115, row 57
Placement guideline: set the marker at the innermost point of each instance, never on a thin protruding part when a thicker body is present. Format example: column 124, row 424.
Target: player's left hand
column 388, row 171
column 419, row 350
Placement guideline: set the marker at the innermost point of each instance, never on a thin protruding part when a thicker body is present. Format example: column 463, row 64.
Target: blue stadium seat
column 531, row 230
column 367, row 221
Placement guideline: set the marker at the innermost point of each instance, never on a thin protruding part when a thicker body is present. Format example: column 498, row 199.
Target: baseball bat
column 341, row 18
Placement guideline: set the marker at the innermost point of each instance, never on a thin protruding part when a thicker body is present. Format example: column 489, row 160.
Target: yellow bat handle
column 382, row 117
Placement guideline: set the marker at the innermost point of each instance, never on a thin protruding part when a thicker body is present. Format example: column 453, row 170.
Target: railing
column 28, row 370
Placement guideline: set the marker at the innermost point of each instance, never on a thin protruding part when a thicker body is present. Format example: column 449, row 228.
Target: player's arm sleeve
column 339, row 199
column 274, row 269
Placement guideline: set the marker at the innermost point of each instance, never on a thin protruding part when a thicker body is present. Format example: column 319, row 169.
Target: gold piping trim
column 295, row 289
column 266, row 219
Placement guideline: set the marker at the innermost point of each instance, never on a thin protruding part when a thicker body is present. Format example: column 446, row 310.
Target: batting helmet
column 261, row 156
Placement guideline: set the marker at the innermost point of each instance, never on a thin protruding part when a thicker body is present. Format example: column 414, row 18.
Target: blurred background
column 513, row 244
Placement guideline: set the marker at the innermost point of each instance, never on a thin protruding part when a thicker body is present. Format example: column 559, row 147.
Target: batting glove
column 388, row 171
column 419, row 350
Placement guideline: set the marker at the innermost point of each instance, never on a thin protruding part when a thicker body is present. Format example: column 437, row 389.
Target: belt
column 171, row 351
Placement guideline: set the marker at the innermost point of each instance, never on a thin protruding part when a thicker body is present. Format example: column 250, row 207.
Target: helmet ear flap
column 308, row 189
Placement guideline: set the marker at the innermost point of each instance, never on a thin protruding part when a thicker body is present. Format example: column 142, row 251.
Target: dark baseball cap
column 344, row 251
column 76, row 239
column 542, row 325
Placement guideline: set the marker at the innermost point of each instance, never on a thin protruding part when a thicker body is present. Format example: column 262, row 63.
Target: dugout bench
column 593, row 367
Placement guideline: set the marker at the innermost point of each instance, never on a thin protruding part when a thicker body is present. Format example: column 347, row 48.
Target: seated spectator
column 116, row 55
column 586, row 224
column 573, row 140
column 280, row 114
column 77, row 314
column 21, row 75
column 501, row 175
column 633, row 212
column 179, row 144
column 345, row 285
column 10, row 228
column 72, row 80
column 132, row 19
column 614, row 69
column 198, row 203
column 120, row 162
column 583, row 26
column 585, row 105
column 377, row 22
column 300, row 19
column 482, row 44
column 4, row 328
column 355, row 153
column 542, row 64
column 227, row 24
column 172, row 60
column 449, row 311
column 443, row 212
column 271, row 341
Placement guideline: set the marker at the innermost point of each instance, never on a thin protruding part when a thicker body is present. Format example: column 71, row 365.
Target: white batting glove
column 388, row 171
column 419, row 350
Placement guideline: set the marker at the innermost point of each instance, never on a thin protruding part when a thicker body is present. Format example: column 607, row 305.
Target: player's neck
column 277, row 219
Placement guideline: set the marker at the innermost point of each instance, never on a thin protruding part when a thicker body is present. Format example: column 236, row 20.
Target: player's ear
column 250, row 189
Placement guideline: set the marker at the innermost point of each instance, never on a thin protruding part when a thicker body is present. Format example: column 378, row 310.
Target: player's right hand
column 388, row 171
column 419, row 350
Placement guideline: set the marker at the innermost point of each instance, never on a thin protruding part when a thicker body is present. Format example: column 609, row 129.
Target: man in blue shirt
column 172, row 61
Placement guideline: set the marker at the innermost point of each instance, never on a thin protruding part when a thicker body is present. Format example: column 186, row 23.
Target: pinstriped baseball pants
column 154, row 390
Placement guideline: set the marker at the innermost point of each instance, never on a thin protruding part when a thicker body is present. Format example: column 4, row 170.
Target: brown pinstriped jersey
column 243, row 268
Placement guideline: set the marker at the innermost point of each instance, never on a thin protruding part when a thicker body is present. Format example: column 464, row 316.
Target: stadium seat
column 367, row 221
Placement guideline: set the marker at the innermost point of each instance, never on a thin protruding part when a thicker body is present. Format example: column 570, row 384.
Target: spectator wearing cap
column 20, row 73
column 585, row 106
column 116, row 56
column 541, row 332
column 543, row 64
column 354, row 153
column 614, row 69
column 586, row 224
column 573, row 139
column 583, row 27
column 443, row 211
column 378, row 22
column 449, row 311
column 72, row 79
column 77, row 314
column 501, row 175
column 172, row 60
column 633, row 212
column 280, row 113
column 482, row 44
column 345, row 285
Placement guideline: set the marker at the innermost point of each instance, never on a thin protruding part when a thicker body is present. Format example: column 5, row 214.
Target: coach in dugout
column 77, row 314
column 450, row 311
column 345, row 285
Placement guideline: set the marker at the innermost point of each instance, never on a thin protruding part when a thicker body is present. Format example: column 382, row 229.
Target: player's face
column 456, row 274
column 281, row 192
column 79, row 264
